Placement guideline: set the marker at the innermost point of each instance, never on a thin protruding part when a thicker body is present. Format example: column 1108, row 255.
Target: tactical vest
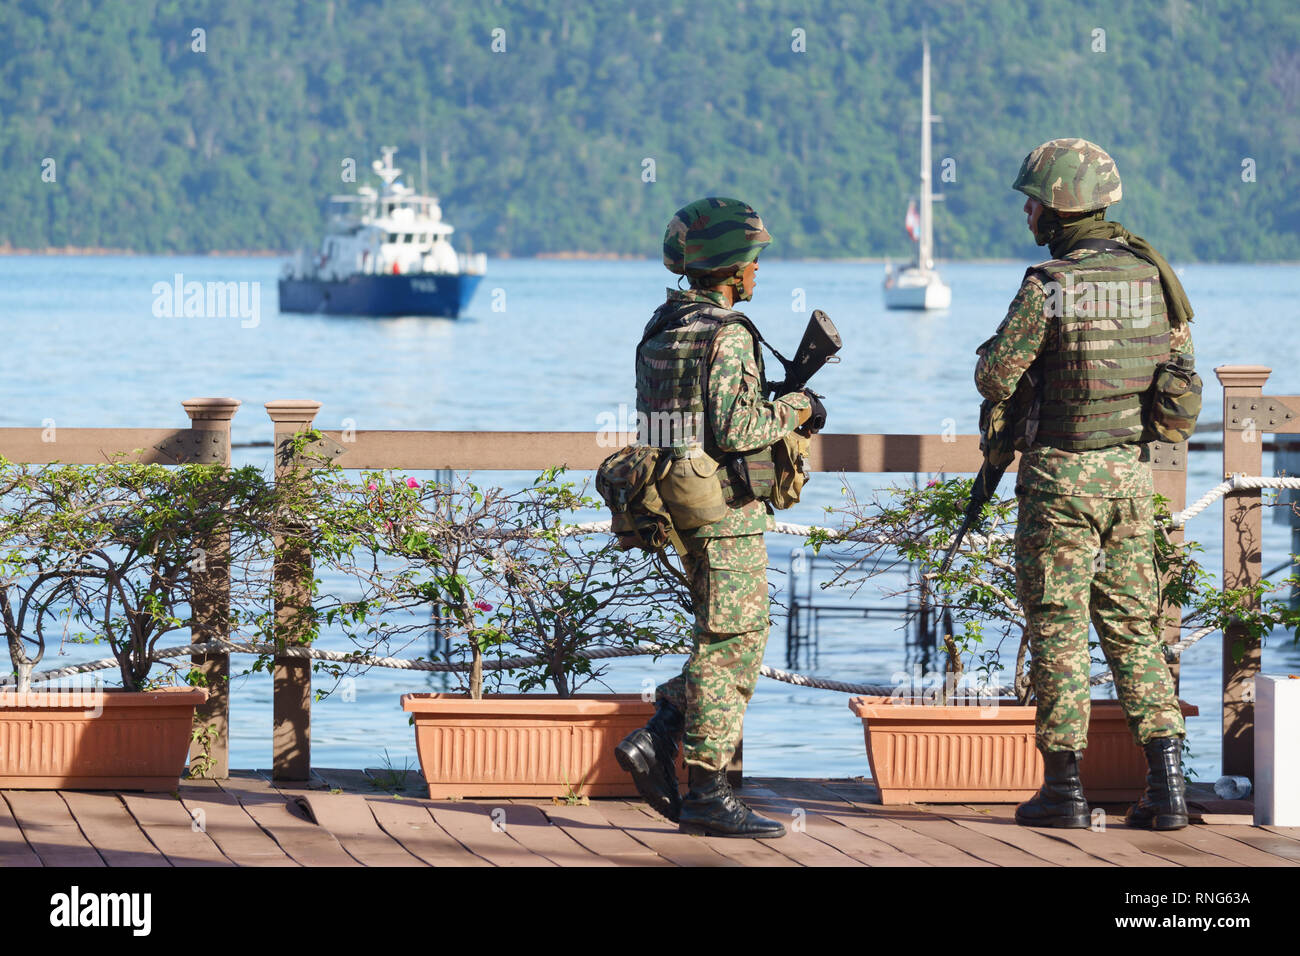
column 672, row 364
column 1109, row 313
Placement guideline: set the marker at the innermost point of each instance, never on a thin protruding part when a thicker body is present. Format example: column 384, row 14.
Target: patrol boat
column 918, row 286
column 386, row 252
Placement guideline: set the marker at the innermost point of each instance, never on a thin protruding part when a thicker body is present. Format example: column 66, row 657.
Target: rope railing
column 1235, row 483
column 1172, row 651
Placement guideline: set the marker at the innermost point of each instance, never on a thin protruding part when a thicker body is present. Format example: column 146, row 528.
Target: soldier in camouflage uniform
column 701, row 392
column 1090, row 326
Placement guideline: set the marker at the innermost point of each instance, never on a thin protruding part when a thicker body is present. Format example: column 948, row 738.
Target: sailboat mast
column 925, row 247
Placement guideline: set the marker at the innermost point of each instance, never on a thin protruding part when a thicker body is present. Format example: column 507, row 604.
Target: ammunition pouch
column 750, row 475
column 774, row 474
column 1173, row 404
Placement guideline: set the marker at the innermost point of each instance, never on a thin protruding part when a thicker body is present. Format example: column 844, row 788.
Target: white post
column 1277, row 773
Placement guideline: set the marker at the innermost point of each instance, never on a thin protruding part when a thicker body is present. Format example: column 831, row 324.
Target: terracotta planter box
column 525, row 745
column 96, row 739
column 972, row 754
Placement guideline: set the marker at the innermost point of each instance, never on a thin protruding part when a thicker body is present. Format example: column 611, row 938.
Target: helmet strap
column 737, row 283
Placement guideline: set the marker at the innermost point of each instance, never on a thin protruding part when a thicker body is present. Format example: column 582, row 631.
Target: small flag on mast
column 913, row 221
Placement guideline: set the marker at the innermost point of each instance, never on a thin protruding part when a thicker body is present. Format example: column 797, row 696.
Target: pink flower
column 371, row 487
column 932, row 482
column 412, row 483
column 483, row 605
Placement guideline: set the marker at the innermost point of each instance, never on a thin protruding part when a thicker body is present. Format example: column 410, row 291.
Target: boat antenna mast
column 386, row 170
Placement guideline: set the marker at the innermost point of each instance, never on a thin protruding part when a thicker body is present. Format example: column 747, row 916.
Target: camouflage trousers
column 1081, row 559
column 729, row 587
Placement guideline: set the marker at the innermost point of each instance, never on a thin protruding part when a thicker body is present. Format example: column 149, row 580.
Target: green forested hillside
column 541, row 148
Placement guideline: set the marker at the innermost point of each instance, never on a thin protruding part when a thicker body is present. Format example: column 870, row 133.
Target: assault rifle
column 981, row 493
column 998, row 423
column 820, row 342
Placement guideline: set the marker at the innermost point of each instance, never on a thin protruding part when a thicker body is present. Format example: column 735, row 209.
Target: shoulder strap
column 664, row 317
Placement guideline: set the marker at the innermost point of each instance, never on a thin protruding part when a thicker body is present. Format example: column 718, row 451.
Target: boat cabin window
column 390, row 237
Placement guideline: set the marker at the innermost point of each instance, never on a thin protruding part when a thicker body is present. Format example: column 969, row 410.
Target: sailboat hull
column 910, row 290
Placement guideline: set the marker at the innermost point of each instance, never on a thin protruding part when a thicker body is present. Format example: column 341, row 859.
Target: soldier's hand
column 816, row 419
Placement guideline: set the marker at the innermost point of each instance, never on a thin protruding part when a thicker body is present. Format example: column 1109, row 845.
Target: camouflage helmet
column 713, row 237
column 1070, row 175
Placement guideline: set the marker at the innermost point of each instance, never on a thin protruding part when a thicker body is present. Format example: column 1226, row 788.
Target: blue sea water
column 85, row 347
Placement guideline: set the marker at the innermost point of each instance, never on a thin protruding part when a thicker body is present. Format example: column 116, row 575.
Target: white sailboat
column 918, row 286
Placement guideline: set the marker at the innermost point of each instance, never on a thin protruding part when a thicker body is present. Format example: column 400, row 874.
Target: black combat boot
column 711, row 809
column 649, row 754
column 1060, row 802
column 1164, row 805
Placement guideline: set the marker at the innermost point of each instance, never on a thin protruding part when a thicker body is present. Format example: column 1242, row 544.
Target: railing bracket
column 195, row 446
column 1265, row 413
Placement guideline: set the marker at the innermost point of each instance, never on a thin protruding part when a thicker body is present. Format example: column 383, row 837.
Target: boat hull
column 380, row 295
column 909, row 292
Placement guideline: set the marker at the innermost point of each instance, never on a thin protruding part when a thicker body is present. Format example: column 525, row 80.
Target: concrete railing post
column 1243, row 454
column 291, row 737
column 210, row 751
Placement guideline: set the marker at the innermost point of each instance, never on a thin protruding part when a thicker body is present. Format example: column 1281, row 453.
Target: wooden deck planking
column 746, row 852
column 587, row 826
column 530, row 826
column 1261, row 840
column 410, row 824
column 1202, row 838
column 981, row 819
column 112, row 830
column 823, row 840
column 348, row 819
column 931, row 822
column 876, row 822
column 221, row 816
column 661, row 836
column 474, row 826
column 1291, row 833
column 1158, row 844
column 50, row 829
column 342, row 818
column 172, row 829
column 14, row 848
column 302, row 840
column 1109, row 844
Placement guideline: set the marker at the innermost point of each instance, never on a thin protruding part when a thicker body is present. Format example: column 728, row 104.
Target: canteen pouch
column 788, row 456
column 1174, row 403
column 626, row 480
column 692, row 493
